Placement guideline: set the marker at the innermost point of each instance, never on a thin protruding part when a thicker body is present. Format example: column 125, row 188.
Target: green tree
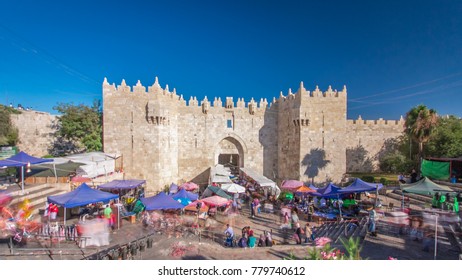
column 447, row 138
column 420, row 123
column 79, row 128
column 8, row 133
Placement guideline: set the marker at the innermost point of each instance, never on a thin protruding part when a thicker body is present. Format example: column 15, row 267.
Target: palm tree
column 420, row 122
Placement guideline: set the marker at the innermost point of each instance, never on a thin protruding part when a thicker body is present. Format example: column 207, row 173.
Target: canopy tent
column 211, row 190
column 424, row 187
column 20, row 160
column 359, row 186
column 64, row 169
column 189, row 186
column 439, row 170
column 122, row 185
column 262, row 181
column 292, row 184
column 215, row 201
column 83, row 195
column 94, row 164
column 184, row 201
column 173, row 188
column 161, row 202
column 219, row 174
column 329, row 191
column 233, row 188
column 185, row 194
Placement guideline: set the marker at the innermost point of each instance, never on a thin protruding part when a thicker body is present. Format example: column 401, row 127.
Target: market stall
column 161, row 201
column 129, row 191
column 184, row 197
column 22, row 160
column 259, row 183
column 212, row 190
column 81, row 196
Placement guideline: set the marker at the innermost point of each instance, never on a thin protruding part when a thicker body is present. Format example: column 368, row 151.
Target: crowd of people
column 248, row 238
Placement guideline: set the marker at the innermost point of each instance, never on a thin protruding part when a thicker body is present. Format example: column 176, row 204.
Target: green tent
column 216, row 190
column 47, row 170
column 424, row 187
column 435, row 169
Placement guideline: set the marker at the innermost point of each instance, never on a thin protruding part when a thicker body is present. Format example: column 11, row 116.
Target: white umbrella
column 233, row 188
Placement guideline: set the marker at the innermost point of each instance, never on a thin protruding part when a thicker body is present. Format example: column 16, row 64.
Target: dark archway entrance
column 230, row 153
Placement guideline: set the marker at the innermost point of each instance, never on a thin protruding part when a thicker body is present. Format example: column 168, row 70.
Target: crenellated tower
column 311, row 126
column 142, row 126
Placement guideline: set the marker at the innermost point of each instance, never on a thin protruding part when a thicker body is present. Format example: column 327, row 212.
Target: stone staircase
column 343, row 229
column 448, row 233
column 37, row 194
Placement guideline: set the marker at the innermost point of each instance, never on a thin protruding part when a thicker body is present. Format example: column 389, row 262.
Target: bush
column 395, row 163
column 384, row 181
column 367, row 178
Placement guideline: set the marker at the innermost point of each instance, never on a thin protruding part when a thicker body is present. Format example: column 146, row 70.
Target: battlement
column 380, row 122
column 302, row 93
column 139, row 89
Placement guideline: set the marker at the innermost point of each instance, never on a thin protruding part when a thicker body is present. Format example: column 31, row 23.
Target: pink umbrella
column 78, row 179
column 189, row 186
column 215, row 201
column 292, row 184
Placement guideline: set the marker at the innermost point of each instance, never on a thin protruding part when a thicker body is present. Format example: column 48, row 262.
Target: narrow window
column 230, row 123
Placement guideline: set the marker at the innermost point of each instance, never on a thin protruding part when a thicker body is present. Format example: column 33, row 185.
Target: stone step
column 413, row 201
column 341, row 229
column 423, row 198
column 36, row 192
column 37, row 198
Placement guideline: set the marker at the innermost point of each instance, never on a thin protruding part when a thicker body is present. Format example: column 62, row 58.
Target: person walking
column 308, row 233
column 372, row 221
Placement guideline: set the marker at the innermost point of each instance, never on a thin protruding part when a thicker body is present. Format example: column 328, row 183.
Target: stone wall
column 305, row 135
column 36, row 130
column 366, row 140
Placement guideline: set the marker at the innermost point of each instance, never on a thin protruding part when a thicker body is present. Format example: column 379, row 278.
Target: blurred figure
column 413, row 176
column 372, row 220
column 268, row 239
column 53, row 211
column 401, row 178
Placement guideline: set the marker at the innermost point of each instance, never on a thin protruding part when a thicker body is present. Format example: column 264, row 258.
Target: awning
column 122, row 185
column 262, row 181
column 161, row 202
column 81, row 196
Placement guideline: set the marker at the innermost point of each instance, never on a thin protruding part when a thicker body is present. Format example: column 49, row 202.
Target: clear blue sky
column 391, row 55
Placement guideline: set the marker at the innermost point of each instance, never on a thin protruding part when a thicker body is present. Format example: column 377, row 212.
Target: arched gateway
column 230, row 152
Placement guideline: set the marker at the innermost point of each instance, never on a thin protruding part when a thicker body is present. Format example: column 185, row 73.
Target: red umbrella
column 292, row 184
column 190, row 186
column 78, row 179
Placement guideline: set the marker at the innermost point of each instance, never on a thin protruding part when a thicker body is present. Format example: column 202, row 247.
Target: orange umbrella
column 192, row 207
column 304, row 190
